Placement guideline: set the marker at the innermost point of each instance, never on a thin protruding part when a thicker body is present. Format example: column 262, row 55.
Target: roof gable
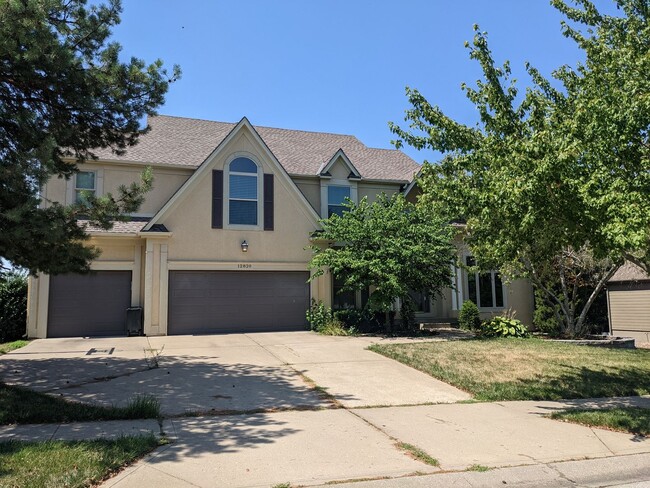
column 207, row 165
column 340, row 155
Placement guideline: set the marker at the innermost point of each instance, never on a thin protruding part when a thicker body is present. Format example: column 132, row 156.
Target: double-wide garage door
column 202, row 302
column 89, row 305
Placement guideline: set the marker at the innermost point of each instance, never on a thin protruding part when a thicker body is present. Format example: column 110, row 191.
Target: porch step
column 439, row 325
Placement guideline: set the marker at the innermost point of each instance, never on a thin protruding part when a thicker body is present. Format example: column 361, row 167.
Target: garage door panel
column 89, row 305
column 225, row 301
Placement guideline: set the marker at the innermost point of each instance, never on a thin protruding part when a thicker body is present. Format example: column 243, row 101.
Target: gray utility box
column 134, row 321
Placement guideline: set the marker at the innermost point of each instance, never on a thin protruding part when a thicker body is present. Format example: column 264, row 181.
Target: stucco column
column 155, row 287
column 148, row 287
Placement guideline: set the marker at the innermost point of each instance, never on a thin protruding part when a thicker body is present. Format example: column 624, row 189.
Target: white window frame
column 76, row 189
column 226, row 190
column 492, row 287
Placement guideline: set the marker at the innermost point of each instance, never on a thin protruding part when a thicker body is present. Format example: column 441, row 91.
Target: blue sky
column 334, row 65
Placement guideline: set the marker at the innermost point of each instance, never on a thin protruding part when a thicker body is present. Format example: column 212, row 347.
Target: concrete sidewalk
column 317, row 447
column 504, row 433
column 632, row 471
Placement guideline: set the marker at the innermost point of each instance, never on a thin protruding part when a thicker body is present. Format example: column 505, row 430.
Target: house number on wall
column 245, row 266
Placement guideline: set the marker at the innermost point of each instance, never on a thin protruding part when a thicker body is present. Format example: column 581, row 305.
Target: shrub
column 324, row 321
column 543, row 318
column 469, row 317
column 335, row 327
column 352, row 317
column 13, row 306
column 318, row 315
column 503, row 327
column 407, row 313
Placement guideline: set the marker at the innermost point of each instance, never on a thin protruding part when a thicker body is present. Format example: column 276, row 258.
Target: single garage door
column 629, row 308
column 202, row 302
column 89, row 305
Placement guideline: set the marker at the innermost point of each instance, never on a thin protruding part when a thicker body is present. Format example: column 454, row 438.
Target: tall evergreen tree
column 63, row 93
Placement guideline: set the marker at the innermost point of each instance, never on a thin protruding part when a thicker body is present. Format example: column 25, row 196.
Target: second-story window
column 336, row 196
column 243, row 194
column 85, row 184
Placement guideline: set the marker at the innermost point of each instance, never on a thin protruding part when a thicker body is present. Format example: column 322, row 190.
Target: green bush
column 13, row 306
column 324, row 321
column 469, row 317
column 335, row 327
column 543, row 317
column 352, row 317
column 503, row 327
column 318, row 315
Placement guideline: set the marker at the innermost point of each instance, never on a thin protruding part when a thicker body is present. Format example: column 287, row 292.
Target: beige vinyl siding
column 630, row 310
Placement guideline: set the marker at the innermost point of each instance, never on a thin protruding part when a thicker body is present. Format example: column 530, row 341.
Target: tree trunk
column 388, row 327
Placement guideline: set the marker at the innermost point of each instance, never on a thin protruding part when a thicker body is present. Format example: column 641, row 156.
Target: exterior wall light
column 244, row 246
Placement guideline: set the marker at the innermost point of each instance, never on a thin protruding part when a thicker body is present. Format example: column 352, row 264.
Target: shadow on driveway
column 183, row 384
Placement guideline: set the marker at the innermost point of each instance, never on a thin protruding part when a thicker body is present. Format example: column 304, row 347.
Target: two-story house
column 220, row 243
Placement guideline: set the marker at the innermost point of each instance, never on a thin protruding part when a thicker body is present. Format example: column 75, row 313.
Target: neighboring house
column 220, row 244
column 628, row 303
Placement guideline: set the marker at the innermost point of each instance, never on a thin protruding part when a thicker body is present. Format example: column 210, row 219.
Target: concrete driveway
column 223, row 373
column 267, row 423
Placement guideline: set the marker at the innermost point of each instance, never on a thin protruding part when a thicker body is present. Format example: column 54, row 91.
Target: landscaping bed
column 596, row 340
column 528, row 369
column 69, row 464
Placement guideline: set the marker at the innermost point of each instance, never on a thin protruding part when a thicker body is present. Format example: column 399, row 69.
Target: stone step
column 439, row 325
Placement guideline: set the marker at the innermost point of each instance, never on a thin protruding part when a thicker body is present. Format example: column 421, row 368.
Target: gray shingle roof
column 629, row 272
column 187, row 142
column 134, row 225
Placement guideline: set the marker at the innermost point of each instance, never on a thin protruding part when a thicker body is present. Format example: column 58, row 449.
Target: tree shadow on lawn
column 575, row 383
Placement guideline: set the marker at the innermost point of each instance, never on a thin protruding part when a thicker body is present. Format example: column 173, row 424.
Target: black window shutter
column 268, row 202
column 217, row 199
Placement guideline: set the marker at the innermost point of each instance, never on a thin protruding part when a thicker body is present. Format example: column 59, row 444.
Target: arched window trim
column 228, row 198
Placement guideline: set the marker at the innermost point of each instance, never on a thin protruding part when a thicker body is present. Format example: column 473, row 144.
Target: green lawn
column 59, row 464
column 528, row 369
column 23, row 406
column 11, row 346
column 633, row 420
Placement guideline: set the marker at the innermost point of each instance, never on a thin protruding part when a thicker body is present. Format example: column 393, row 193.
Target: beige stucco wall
column 310, row 188
column 372, row 190
column 339, row 170
column 194, row 239
column 166, row 183
column 110, row 176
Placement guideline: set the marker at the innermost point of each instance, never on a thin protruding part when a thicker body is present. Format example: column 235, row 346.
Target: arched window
column 242, row 192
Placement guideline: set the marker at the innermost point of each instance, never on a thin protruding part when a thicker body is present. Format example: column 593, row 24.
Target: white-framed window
column 485, row 289
column 336, row 196
column 243, row 192
column 85, row 182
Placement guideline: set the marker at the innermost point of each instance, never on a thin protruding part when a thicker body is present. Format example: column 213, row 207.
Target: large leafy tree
column 63, row 93
column 390, row 245
column 555, row 183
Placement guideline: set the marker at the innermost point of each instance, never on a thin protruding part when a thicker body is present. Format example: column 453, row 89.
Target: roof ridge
column 262, row 126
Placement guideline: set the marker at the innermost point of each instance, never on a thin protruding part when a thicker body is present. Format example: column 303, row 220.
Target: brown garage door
column 202, row 302
column 89, row 305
